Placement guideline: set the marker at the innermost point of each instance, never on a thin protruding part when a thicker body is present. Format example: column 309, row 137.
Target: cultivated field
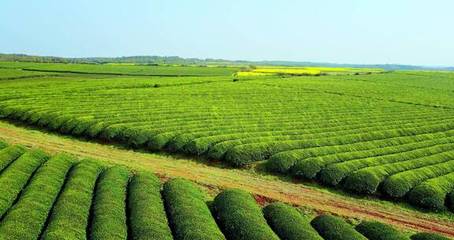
column 380, row 133
column 64, row 197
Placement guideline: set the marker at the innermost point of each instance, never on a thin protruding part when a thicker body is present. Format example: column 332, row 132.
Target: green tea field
column 385, row 133
column 346, row 136
column 64, row 197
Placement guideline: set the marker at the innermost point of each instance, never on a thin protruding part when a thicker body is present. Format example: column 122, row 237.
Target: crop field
column 108, row 69
column 389, row 134
column 62, row 196
column 303, row 71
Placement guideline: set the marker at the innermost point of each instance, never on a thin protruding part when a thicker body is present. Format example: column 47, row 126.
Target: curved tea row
column 61, row 197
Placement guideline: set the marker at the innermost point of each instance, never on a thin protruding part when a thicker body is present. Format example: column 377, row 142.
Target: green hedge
column 109, row 207
column 14, row 178
column 398, row 185
column 9, row 154
column 240, row 217
column 26, row 220
column 432, row 194
column 70, row 215
column 428, row 236
column 379, row 231
column 148, row 218
column 335, row 228
column 288, row 223
column 367, row 180
column 281, row 162
column 333, row 174
column 189, row 215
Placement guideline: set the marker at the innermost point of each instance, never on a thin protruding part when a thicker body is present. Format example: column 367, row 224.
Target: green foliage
column 379, row 231
column 398, row 185
column 9, row 154
column 147, row 214
column 367, row 180
column 240, row 217
column 2, row 144
column 27, row 218
column 406, row 149
column 432, row 193
column 14, row 178
column 109, row 207
column 189, row 215
column 428, row 236
column 288, row 223
column 329, row 128
column 335, row 228
column 70, row 215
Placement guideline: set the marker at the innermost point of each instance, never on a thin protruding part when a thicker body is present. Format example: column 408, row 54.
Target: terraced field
column 64, row 197
column 387, row 134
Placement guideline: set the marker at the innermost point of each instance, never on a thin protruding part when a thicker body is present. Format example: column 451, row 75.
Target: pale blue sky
column 350, row 31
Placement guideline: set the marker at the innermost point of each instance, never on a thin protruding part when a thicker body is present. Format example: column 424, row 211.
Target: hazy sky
column 349, row 31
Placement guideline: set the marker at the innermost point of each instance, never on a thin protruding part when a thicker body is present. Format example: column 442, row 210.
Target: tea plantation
column 379, row 133
column 63, row 197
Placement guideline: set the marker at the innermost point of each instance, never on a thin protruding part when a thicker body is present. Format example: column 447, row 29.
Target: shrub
column 307, row 168
column 379, row 231
column 335, row 173
column 34, row 117
column 68, row 126
column 177, row 143
column 367, row 180
column 362, row 182
column 57, row 123
column 109, row 208
column 111, row 132
column 242, row 155
column 147, row 214
column 281, row 162
column 401, row 183
column 240, row 217
column 135, row 137
column 9, row 154
column 335, row 228
column 93, row 131
column 27, row 218
column 69, row 217
column 82, row 125
column 16, row 176
column 428, row 236
column 288, row 223
column 157, row 142
column 189, row 215
column 432, row 193
column 45, row 119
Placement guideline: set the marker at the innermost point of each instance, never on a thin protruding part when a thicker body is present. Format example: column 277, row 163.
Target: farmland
column 64, row 196
column 366, row 133
column 386, row 133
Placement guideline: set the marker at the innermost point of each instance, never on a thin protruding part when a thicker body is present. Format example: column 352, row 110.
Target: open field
column 303, row 71
column 61, row 196
column 389, row 134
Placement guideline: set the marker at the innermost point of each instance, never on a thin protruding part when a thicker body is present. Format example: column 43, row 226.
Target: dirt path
column 268, row 186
